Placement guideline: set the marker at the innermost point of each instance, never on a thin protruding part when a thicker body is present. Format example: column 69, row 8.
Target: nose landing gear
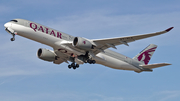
column 13, row 38
column 12, row 32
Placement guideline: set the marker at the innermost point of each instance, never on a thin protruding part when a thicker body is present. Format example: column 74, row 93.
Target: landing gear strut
column 13, row 38
column 11, row 31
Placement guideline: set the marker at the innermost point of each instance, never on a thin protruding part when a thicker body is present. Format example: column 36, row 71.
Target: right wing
column 103, row 44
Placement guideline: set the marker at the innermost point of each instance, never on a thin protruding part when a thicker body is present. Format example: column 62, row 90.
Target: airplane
column 79, row 50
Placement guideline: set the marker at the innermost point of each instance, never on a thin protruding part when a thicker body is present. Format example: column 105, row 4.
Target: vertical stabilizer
column 145, row 55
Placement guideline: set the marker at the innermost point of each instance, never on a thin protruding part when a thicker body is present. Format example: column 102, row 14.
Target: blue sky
column 24, row 77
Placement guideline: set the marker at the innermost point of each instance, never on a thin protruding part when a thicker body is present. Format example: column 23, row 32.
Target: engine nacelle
column 82, row 43
column 46, row 55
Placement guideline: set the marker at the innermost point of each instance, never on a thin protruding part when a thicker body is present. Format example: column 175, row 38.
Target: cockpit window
column 14, row 20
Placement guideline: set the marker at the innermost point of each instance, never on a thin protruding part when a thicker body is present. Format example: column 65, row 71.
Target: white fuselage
column 54, row 39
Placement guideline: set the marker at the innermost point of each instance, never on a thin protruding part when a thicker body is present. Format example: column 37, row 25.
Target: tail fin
column 145, row 55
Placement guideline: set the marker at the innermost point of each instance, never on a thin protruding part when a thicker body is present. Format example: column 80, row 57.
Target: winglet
column 167, row 30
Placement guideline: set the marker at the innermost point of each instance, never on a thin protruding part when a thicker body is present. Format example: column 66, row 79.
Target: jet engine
column 82, row 43
column 46, row 55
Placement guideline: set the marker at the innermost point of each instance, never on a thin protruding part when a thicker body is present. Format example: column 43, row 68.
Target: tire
column 69, row 66
column 93, row 61
column 88, row 61
column 77, row 65
column 74, row 67
column 12, row 39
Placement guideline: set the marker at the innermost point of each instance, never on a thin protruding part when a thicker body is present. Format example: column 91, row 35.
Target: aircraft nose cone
column 7, row 25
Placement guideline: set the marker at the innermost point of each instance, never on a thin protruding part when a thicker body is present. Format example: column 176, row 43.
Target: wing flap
column 61, row 57
column 58, row 61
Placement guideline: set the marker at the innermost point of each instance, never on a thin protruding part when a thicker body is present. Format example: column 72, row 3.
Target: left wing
column 103, row 44
column 58, row 61
column 60, row 57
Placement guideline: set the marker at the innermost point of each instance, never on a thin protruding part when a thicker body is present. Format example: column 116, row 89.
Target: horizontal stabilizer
column 151, row 66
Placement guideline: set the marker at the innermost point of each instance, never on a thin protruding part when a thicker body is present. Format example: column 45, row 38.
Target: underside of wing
column 61, row 57
column 58, row 61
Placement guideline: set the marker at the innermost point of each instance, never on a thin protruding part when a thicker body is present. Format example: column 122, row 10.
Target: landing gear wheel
column 74, row 67
column 93, row 61
column 77, row 65
column 69, row 66
column 12, row 39
column 88, row 61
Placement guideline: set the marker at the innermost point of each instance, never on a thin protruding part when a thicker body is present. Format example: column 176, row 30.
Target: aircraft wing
column 58, row 61
column 61, row 57
column 103, row 44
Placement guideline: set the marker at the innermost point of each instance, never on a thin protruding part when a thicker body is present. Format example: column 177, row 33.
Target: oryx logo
column 146, row 55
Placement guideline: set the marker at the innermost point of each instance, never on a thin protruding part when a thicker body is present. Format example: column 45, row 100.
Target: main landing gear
column 82, row 59
column 73, row 65
column 91, row 61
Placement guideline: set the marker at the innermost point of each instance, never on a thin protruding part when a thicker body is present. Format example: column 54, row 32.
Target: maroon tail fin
column 145, row 55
